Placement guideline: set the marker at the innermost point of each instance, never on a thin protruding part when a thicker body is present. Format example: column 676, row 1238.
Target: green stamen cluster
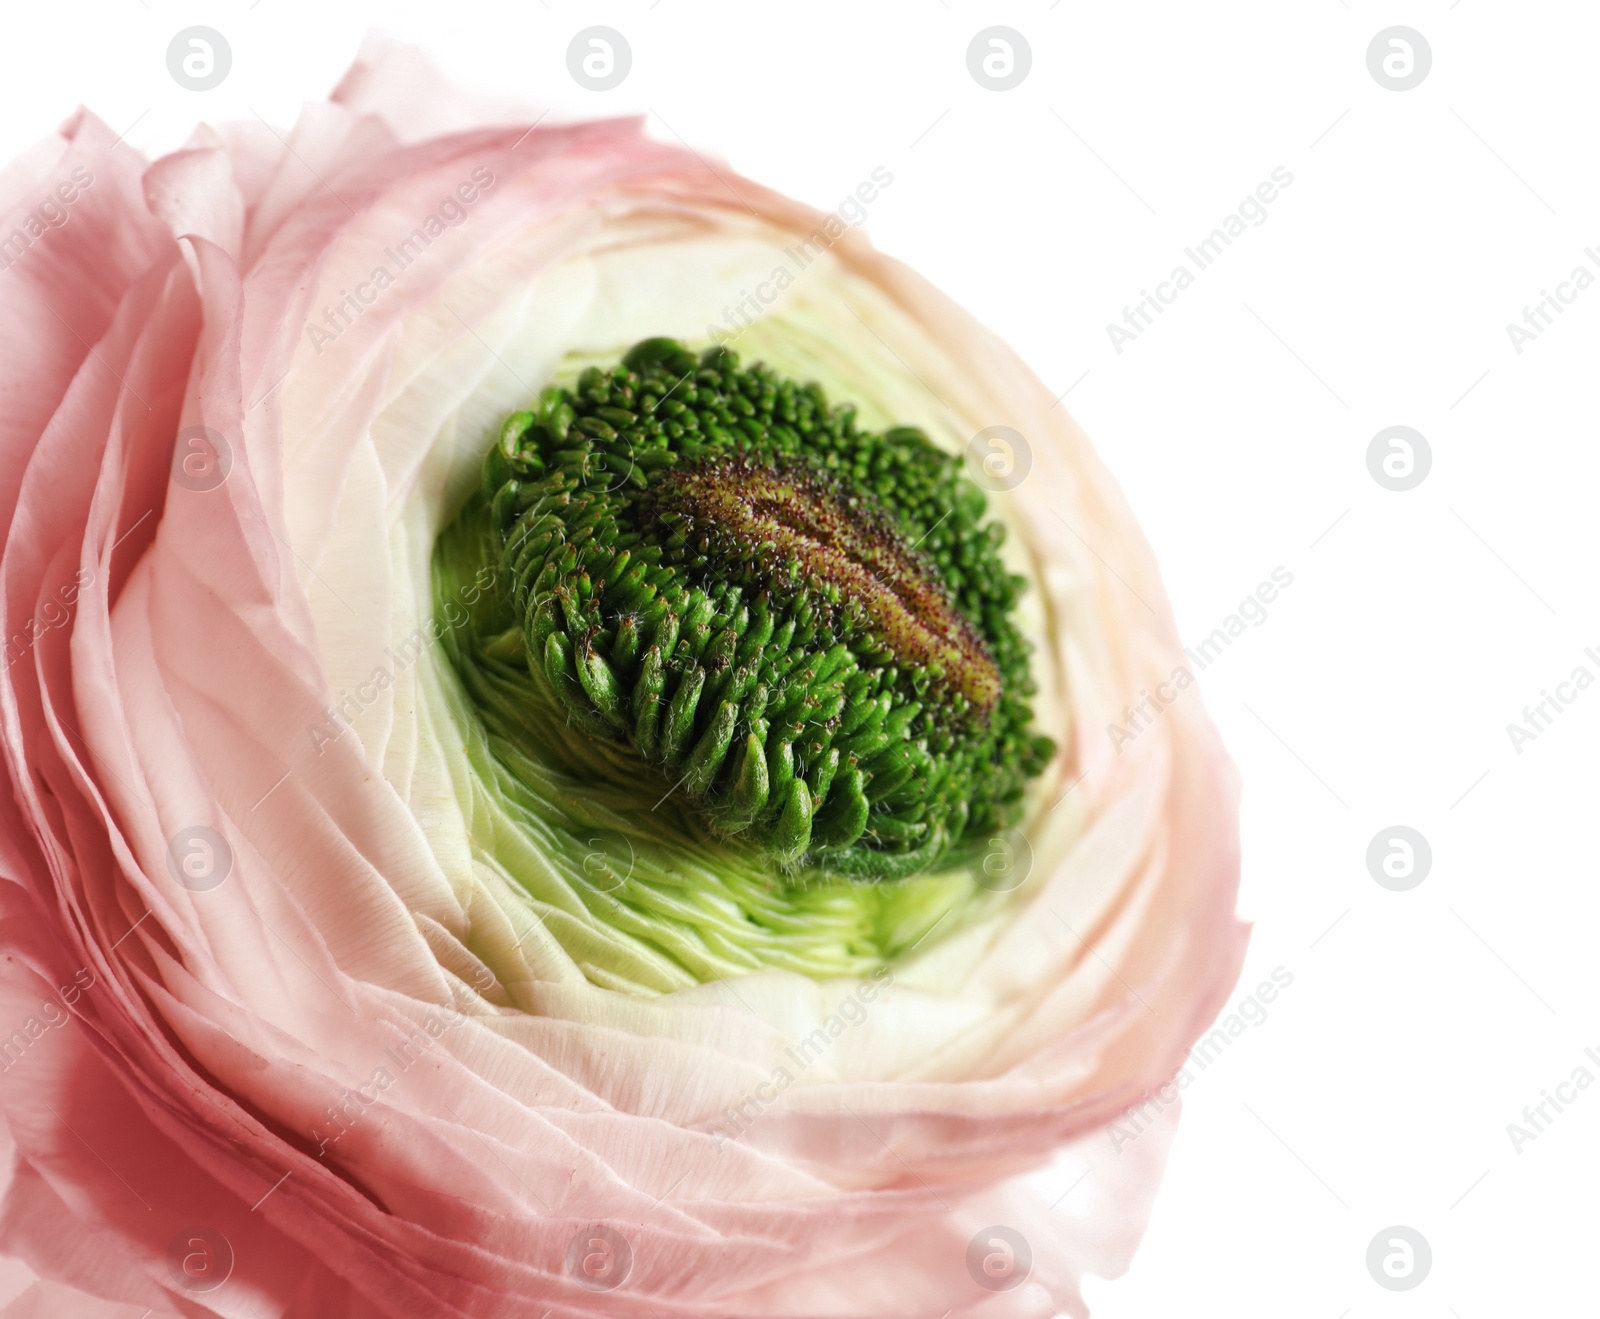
column 806, row 627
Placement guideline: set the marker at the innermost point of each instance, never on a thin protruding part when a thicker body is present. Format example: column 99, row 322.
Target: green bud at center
column 803, row 628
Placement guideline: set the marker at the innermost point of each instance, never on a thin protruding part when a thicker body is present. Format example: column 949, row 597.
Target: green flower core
column 752, row 631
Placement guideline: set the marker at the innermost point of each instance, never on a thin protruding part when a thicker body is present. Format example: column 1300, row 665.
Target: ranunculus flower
column 387, row 934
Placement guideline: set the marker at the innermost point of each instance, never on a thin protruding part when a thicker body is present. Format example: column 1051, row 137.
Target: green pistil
column 805, row 628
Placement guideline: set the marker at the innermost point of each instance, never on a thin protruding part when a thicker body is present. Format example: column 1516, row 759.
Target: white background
column 1419, row 223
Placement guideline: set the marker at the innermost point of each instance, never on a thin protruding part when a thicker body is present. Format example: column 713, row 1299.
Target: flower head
column 516, row 799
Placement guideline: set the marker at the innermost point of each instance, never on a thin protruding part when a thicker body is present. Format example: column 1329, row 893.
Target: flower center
column 804, row 628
